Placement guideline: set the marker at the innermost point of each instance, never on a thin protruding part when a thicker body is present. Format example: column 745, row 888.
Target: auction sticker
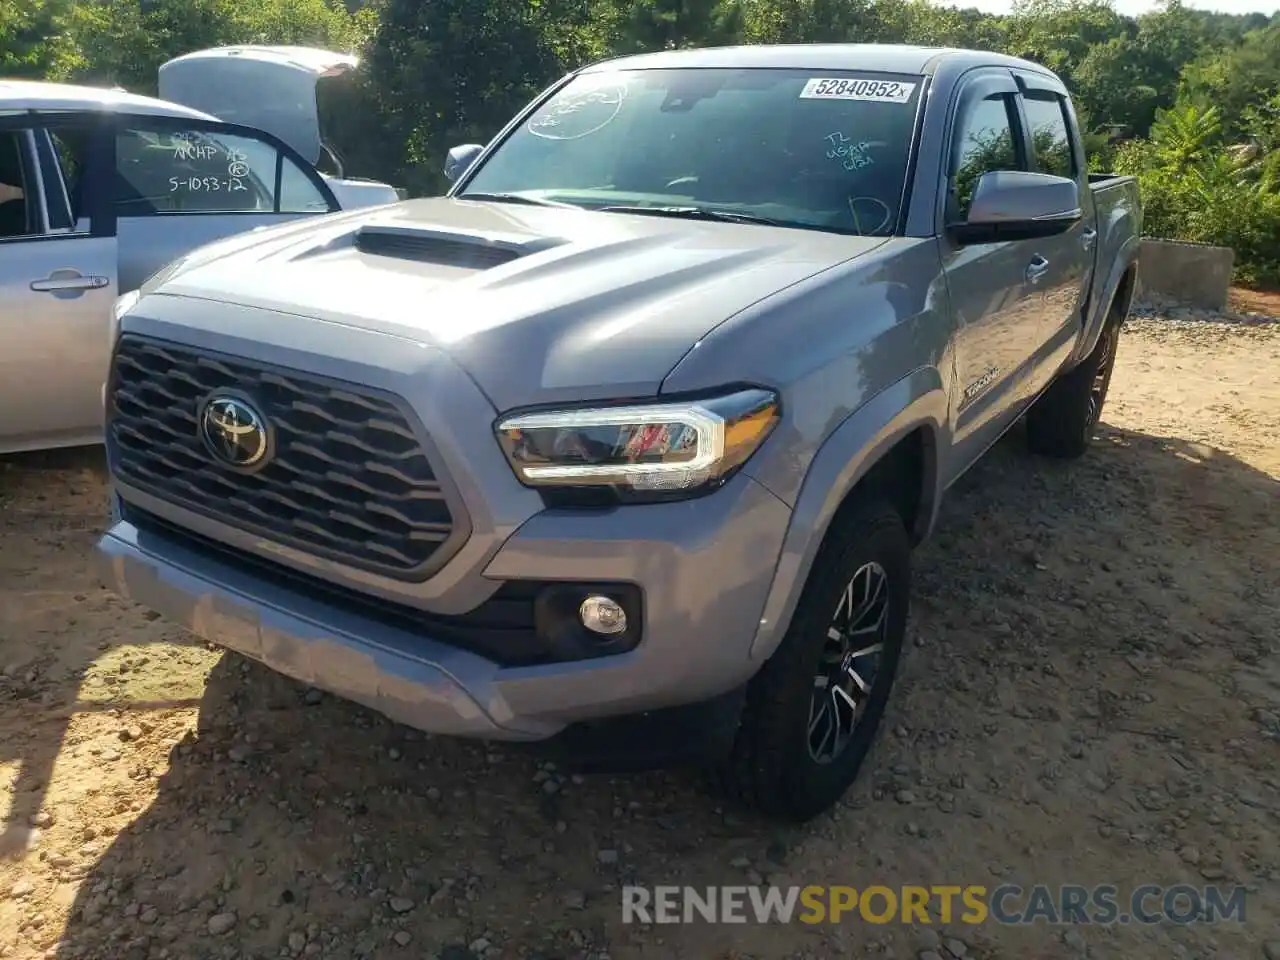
column 835, row 88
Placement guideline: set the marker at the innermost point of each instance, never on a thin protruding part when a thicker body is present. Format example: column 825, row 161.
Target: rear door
column 58, row 279
column 182, row 183
column 1066, row 260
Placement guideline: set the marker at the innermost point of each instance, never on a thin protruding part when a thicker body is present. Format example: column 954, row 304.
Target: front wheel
column 813, row 710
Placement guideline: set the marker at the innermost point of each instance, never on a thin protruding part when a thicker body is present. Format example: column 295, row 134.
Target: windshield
column 825, row 152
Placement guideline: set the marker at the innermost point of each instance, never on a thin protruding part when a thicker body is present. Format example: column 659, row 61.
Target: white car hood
column 272, row 88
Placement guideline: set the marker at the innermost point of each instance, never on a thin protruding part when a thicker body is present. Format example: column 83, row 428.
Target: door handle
column 53, row 284
column 1087, row 238
column 1036, row 269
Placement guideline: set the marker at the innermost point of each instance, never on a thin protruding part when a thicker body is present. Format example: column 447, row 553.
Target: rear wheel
column 1062, row 421
column 813, row 710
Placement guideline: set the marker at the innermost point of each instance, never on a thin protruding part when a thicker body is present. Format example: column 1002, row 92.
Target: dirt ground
column 1090, row 696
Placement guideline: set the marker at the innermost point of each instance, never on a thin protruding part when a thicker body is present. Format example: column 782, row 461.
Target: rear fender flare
column 1100, row 306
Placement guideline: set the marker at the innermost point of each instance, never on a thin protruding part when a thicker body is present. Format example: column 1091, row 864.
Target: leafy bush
column 1197, row 187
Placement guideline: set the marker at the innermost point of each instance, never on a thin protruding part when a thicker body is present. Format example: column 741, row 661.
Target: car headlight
column 643, row 452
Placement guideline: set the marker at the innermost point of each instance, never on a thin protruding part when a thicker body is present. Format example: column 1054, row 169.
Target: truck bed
column 1119, row 213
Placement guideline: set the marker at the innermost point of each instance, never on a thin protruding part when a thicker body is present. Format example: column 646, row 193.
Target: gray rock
column 400, row 904
column 929, row 939
column 1073, row 940
column 221, row 923
column 905, row 797
column 957, row 948
column 403, row 937
column 1190, row 855
column 297, row 940
column 607, row 856
column 23, row 888
column 1271, row 950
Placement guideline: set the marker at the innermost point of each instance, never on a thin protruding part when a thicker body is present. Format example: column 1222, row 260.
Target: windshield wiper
column 517, row 198
column 694, row 213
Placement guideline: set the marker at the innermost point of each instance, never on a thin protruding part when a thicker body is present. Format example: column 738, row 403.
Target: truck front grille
column 347, row 478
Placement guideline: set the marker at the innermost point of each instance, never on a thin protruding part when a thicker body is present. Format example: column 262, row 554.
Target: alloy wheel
column 850, row 663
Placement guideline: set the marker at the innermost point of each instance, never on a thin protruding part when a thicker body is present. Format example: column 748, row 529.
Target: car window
column 174, row 171
column 17, row 198
column 71, row 147
column 826, row 152
column 984, row 141
column 1050, row 139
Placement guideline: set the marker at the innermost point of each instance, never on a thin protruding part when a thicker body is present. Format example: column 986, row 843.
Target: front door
column 991, row 286
column 58, row 283
column 183, row 183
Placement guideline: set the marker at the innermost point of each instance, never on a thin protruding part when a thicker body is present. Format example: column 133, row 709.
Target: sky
column 1134, row 7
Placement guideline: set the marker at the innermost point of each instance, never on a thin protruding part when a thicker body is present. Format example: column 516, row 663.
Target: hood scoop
column 445, row 249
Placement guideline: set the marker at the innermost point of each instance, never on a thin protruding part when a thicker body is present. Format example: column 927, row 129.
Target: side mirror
column 459, row 159
column 1017, row 205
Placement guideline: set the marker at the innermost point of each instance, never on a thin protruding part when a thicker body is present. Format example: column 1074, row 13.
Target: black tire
column 1061, row 422
column 773, row 768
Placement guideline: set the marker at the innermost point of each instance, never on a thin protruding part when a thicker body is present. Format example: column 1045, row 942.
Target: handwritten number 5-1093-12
column 206, row 184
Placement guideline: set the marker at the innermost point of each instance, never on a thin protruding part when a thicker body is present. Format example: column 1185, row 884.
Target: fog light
column 603, row 615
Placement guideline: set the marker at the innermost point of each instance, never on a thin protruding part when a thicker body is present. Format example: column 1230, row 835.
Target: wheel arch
column 1119, row 290
column 893, row 446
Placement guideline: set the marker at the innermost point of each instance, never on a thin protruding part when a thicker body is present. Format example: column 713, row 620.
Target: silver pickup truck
column 100, row 188
column 624, row 444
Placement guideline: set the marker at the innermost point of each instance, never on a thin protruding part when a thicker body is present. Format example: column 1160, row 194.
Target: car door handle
column 1087, row 238
column 1036, row 269
column 53, row 284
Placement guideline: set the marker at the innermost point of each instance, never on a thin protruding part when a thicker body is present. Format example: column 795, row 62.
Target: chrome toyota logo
column 234, row 432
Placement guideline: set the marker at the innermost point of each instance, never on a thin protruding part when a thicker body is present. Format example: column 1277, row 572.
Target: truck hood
column 538, row 304
column 272, row 88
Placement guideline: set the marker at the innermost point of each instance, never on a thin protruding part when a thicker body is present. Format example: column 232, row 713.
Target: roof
column 870, row 57
column 38, row 95
column 310, row 60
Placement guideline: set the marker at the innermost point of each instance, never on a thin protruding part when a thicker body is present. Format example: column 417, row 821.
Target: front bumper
column 704, row 567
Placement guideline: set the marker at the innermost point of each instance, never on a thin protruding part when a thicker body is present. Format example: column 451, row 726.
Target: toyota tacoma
column 625, row 442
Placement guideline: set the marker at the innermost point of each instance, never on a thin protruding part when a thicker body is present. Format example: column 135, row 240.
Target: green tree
column 454, row 71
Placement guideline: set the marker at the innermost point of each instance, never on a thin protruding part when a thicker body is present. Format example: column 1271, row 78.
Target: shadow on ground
column 296, row 825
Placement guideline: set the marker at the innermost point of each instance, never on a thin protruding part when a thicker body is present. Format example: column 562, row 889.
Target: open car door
column 182, row 183
column 57, row 278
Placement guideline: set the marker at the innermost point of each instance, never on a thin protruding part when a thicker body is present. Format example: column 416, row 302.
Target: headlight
column 654, row 451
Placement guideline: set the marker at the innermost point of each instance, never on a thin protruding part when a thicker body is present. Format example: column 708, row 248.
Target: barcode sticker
column 835, row 88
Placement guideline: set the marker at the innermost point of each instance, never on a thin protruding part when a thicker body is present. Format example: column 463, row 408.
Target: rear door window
column 166, row 169
column 1050, row 137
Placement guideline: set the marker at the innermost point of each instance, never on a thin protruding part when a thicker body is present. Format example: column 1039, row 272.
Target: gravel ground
column 1090, row 696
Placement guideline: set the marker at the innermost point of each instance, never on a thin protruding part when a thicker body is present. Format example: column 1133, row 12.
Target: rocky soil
column 1092, row 695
